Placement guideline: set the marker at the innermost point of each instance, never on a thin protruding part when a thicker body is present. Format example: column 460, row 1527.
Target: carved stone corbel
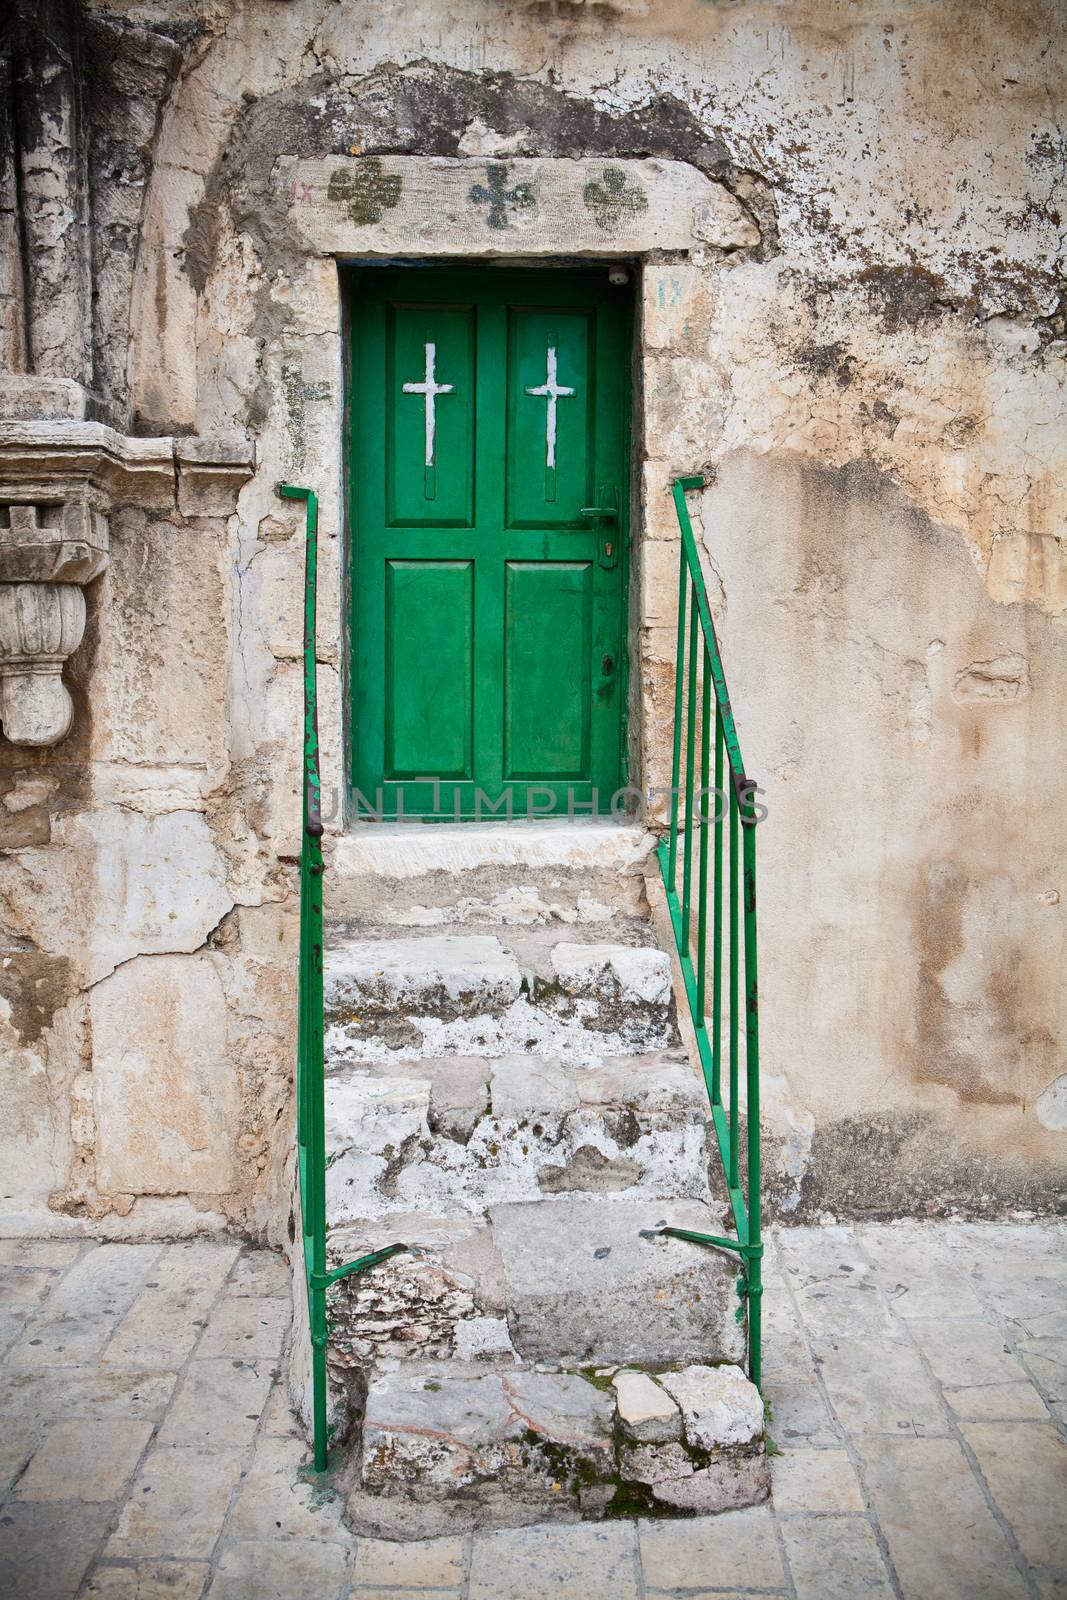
column 48, row 552
column 58, row 481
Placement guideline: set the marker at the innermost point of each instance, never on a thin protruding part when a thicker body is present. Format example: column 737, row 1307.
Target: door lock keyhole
column 607, row 666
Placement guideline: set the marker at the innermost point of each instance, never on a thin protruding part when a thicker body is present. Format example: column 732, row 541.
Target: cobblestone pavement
column 917, row 1376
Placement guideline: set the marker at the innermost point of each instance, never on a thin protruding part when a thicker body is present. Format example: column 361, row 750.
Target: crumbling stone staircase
column 507, row 1095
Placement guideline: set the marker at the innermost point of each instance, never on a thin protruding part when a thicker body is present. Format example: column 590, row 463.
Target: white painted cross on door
column 552, row 390
column 429, row 388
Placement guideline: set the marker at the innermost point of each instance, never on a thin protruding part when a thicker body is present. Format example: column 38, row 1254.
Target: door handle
column 608, row 511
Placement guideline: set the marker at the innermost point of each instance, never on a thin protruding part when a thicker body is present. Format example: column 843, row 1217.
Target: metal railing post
column 310, row 1030
column 733, row 871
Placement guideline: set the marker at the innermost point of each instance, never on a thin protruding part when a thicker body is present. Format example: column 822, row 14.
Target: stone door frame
column 664, row 220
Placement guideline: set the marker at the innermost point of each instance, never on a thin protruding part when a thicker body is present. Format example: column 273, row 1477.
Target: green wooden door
column 488, row 428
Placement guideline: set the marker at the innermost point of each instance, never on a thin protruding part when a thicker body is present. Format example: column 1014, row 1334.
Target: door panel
column 551, row 357
column 547, row 646
column 488, row 647
column 429, row 672
column 429, row 401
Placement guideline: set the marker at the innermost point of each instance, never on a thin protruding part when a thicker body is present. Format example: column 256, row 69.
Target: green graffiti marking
column 614, row 198
column 497, row 196
column 365, row 190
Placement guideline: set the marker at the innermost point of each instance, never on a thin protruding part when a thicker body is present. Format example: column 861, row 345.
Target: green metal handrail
column 310, row 1082
column 733, row 870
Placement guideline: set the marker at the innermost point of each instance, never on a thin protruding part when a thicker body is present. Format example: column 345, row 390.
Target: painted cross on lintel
column 498, row 196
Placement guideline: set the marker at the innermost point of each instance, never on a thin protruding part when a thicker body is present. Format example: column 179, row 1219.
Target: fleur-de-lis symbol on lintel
column 498, row 197
column 613, row 198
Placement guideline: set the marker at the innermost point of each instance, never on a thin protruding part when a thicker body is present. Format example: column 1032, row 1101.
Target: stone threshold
column 413, row 849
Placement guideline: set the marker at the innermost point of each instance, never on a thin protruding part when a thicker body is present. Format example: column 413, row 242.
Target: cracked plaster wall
column 871, row 375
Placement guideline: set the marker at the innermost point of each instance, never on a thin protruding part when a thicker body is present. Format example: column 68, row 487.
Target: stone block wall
column 847, row 258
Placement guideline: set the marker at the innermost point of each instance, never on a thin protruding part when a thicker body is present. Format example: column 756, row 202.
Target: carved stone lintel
column 58, row 483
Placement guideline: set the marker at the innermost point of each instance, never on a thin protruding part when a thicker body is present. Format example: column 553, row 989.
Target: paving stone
column 275, row 1570
column 219, row 1403
column 1030, row 1294
column 19, row 1438
column 588, row 1280
column 91, row 1460
column 815, row 1480
column 149, row 1580
column 275, row 1500
column 85, row 1392
column 879, row 1386
column 85, row 1306
column 835, row 1558
column 162, row 1325
column 12, row 1325
column 1049, row 1585
column 202, row 1264
column 22, row 1288
column 177, row 1504
column 622, row 991
column 917, row 1279
column 675, row 1554
column 45, row 1548
column 836, row 1288
column 785, row 1340
column 422, row 1564
column 646, row 1412
column 52, row 1253
column 246, row 1326
column 261, row 1272
column 942, row 1537
column 798, row 1411
column 279, row 1419
column 376, row 1593
column 971, row 1245
column 1046, row 1359
column 997, row 1402
column 555, row 1563
column 965, row 1353
column 720, row 1406
column 1025, row 1466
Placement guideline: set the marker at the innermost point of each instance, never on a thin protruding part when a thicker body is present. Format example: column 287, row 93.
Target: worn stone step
column 468, row 995
column 445, row 975
column 584, row 872
column 448, row 1445
column 567, row 1279
column 592, row 1279
column 464, row 1133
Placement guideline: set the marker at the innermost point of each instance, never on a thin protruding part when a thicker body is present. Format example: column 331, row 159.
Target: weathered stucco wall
column 860, row 342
